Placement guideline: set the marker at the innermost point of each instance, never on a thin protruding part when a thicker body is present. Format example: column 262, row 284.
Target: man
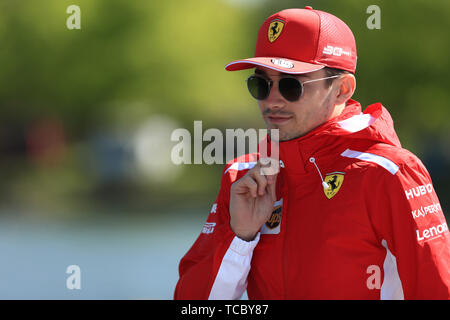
column 349, row 215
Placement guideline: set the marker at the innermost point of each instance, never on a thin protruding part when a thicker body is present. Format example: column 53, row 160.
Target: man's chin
column 287, row 138
column 281, row 136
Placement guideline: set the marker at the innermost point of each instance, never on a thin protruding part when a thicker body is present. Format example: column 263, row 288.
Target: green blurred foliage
column 135, row 59
column 164, row 53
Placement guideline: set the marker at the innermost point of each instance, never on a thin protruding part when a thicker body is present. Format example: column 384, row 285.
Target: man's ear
column 347, row 86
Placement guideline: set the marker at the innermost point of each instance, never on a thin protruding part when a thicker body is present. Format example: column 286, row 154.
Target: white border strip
column 231, row 279
column 382, row 161
column 391, row 289
column 241, row 166
column 357, row 122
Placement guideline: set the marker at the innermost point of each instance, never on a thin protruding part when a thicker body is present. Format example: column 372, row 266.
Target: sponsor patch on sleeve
column 432, row 232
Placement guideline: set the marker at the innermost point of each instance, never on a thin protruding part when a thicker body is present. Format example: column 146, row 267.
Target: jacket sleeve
column 217, row 265
column 410, row 223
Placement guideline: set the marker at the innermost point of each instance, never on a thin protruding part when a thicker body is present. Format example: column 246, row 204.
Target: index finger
column 269, row 167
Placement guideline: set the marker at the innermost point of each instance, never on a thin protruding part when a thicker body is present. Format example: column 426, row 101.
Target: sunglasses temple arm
column 314, row 80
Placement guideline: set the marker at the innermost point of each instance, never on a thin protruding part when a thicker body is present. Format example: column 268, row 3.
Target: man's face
column 295, row 119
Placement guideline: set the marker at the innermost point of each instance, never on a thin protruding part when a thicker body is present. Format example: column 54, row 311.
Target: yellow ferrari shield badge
column 275, row 28
column 334, row 181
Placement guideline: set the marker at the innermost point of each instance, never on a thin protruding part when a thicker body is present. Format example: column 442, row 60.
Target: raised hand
column 252, row 198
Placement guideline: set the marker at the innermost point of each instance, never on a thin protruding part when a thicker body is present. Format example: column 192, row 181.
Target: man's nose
column 275, row 100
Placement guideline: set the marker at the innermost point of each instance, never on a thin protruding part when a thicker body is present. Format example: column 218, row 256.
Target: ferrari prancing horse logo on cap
column 275, row 28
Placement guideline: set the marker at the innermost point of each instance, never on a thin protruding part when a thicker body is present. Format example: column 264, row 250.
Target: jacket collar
column 295, row 154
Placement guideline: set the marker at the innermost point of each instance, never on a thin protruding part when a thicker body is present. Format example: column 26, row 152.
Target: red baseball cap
column 300, row 41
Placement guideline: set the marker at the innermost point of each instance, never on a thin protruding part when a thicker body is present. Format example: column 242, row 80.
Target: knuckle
column 247, row 178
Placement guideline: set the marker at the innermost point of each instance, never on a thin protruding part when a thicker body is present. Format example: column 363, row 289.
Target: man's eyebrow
column 303, row 75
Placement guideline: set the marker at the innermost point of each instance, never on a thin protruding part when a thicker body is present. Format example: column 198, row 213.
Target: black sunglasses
column 290, row 88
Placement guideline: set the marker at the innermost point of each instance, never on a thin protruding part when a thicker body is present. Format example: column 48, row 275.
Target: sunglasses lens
column 290, row 89
column 258, row 87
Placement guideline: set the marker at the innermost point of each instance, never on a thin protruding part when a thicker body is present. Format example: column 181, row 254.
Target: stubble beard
column 283, row 135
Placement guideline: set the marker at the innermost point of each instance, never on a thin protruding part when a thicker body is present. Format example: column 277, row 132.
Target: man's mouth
column 277, row 119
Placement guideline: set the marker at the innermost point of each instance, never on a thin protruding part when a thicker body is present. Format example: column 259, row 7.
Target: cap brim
column 279, row 64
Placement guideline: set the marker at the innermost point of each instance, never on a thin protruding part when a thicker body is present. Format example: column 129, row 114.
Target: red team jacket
column 377, row 232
